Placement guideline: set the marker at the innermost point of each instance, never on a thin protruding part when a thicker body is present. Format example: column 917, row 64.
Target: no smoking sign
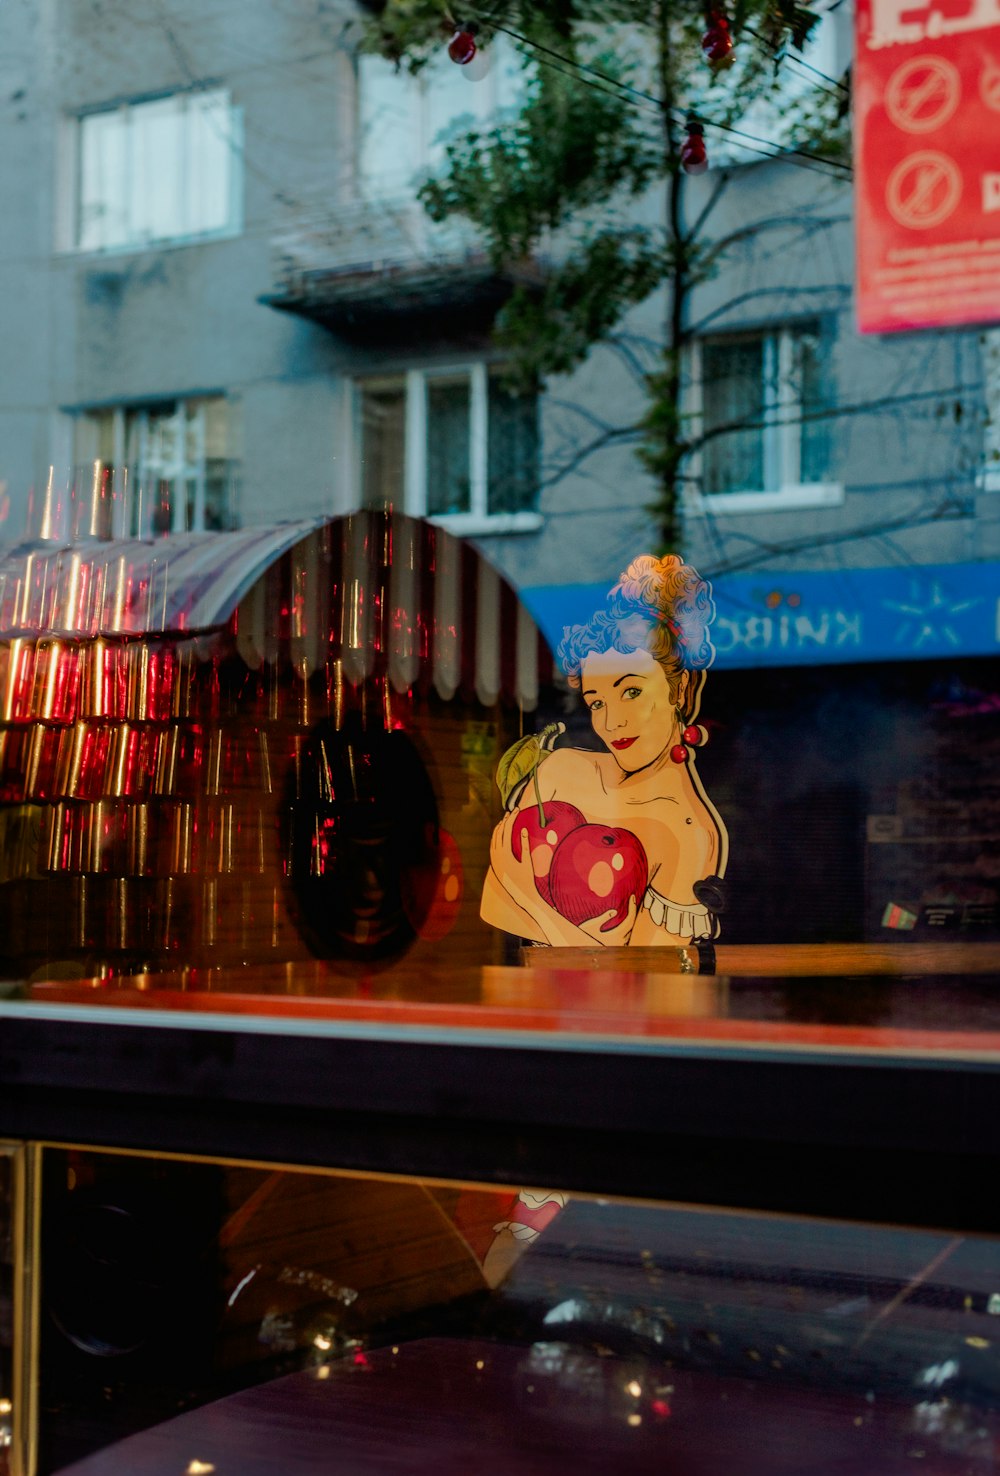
column 923, row 190
column 928, row 173
column 922, row 94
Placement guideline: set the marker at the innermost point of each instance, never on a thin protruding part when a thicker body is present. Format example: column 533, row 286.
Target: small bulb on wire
column 717, row 43
column 694, row 155
column 462, row 48
column 476, row 69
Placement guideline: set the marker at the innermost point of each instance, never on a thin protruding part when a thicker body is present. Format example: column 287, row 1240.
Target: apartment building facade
column 223, row 302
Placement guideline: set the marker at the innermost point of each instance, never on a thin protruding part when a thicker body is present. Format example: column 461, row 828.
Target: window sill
column 787, row 499
column 473, row 525
column 158, row 243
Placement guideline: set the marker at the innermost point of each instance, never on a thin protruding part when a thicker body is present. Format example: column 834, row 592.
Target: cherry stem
column 538, row 798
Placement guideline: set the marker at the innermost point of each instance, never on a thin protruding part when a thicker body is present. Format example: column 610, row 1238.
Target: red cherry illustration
column 596, row 868
column 542, row 839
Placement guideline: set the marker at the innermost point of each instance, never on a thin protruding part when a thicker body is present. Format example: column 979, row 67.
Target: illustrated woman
column 621, row 845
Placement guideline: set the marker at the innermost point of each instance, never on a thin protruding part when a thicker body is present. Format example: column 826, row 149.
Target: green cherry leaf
column 522, row 759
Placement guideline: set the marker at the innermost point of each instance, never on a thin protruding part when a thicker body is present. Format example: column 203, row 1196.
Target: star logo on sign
column 928, row 619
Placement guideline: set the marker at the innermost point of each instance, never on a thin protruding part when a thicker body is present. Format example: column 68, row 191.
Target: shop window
column 405, row 121
column 164, row 170
column 455, row 444
column 759, row 403
column 171, row 464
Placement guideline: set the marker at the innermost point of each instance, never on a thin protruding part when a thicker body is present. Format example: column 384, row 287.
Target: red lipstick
column 622, row 742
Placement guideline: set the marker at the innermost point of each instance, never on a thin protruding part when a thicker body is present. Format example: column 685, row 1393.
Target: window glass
column 762, row 397
column 383, row 431
column 513, row 449
column 155, row 171
column 172, row 464
column 456, row 443
column 212, row 144
column 812, row 366
column 389, row 144
column 405, row 122
column 7, row 1280
column 733, row 392
column 264, row 1317
column 104, row 218
column 448, row 446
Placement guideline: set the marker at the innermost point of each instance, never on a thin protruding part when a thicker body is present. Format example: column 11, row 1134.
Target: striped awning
column 393, row 596
column 383, row 594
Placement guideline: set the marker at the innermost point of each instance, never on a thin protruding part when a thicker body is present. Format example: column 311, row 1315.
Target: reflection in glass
column 6, row 1309
column 383, row 441
column 449, row 485
column 617, row 1336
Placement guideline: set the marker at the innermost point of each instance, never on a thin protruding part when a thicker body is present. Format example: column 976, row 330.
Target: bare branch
column 599, row 443
column 830, row 412
column 710, row 204
column 843, row 288
column 948, row 511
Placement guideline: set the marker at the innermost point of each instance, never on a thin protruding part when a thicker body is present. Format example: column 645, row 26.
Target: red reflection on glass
column 93, row 760
column 20, row 681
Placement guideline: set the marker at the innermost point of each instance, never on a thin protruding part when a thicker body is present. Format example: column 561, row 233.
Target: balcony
column 382, row 270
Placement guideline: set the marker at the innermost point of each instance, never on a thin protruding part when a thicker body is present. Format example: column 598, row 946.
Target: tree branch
column 840, row 287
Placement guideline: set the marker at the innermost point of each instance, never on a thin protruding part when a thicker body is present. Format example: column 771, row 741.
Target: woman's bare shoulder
column 566, row 771
column 567, row 764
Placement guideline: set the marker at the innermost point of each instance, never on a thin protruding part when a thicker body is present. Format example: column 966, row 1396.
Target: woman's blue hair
column 662, row 606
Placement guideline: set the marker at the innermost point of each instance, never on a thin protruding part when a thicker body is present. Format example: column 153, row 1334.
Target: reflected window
column 761, row 397
column 172, row 464
column 453, row 443
column 405, row 122
column 157, row 171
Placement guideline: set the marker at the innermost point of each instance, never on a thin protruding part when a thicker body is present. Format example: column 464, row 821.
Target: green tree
column 609, row 90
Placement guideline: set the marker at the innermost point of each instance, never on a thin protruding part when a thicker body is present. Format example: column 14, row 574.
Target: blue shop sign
column 806, row 619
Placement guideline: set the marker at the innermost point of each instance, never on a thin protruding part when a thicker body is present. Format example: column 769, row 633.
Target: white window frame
column 781, row 431
column 478, row 520
column 69, row 224
column 134, row 510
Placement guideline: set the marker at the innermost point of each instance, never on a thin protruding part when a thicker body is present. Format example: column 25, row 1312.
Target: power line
column 770, row 150
column 800, row 61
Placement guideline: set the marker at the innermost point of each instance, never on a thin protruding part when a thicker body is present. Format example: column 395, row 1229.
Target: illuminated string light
column 694, row 155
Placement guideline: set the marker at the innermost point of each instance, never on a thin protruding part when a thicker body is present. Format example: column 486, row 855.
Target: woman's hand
column 517, row 877
column 614, row 937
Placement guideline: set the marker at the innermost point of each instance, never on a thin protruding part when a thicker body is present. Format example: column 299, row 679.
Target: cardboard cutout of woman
column 621, row 846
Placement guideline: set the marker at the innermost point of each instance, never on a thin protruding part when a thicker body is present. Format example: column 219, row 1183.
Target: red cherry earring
column 693, row 735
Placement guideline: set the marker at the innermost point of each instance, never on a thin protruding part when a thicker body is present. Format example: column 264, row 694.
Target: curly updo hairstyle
column 662, row 606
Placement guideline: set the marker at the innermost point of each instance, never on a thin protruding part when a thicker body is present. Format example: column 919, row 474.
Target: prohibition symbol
column 923, row 190
column 922, row 94
column 989, row 84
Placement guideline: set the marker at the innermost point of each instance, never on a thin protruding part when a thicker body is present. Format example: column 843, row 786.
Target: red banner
column 927, row 161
